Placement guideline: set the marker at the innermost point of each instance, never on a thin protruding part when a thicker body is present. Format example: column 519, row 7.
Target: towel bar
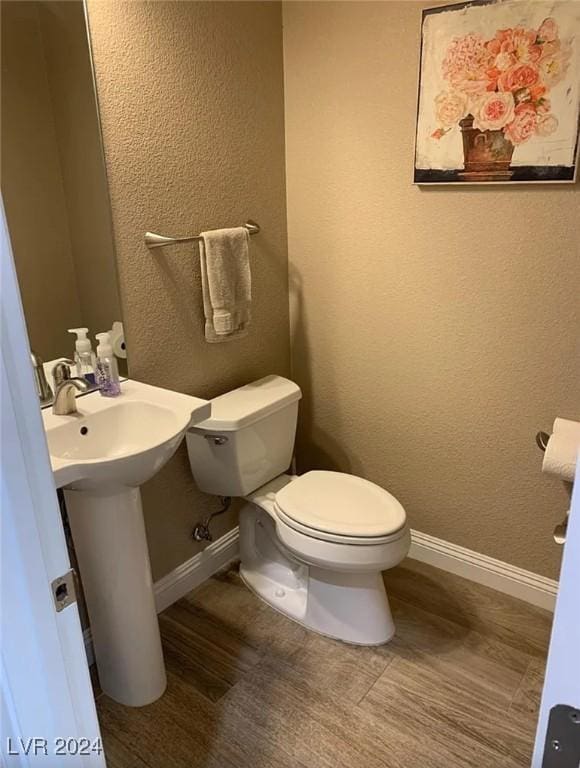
column 152, row 240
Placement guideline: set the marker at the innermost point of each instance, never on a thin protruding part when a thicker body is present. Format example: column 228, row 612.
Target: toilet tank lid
column 250, row 403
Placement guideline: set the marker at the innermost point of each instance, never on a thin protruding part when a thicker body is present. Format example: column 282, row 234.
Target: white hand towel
column 562, row 449
column 226, row 283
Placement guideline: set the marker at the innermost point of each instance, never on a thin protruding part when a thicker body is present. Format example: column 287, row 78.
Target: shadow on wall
column 315, row 448
column 179, row 274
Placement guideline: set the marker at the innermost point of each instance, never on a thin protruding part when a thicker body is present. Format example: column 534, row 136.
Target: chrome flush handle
column 217, row 439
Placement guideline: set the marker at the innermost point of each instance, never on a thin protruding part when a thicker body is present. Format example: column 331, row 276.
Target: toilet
column 311, row 546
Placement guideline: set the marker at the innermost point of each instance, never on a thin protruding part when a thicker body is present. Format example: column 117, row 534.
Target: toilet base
column 365, row 619
column 347, row 606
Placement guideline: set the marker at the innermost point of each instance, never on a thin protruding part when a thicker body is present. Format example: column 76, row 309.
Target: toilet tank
column 248, row 440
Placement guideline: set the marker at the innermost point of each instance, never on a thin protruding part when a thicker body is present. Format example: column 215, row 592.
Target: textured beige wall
column 191, row 102
column 32, row 185
column 434, row 331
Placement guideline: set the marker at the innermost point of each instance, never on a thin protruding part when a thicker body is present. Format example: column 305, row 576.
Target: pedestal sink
column 100, row 457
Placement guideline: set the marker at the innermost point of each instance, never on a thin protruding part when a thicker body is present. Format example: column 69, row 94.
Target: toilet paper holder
column 542, row 440
column 561, row 529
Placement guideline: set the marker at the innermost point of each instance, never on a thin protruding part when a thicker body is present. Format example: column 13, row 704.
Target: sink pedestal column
column 109, row 537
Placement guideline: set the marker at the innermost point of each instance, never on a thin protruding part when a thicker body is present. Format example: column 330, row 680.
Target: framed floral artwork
column 499, row 92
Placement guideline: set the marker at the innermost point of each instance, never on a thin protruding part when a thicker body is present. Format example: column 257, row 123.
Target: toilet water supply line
column 201, row 531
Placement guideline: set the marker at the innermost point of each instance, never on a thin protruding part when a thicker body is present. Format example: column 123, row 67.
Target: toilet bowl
column 312, row 546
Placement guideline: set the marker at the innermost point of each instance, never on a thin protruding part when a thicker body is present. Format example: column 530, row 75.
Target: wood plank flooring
column 458, row 686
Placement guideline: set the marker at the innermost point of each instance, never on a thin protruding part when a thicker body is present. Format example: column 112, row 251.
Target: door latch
column 562, row 747
column 64, row 591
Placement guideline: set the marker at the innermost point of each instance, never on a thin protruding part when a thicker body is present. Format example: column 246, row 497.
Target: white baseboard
column 196, row 570
column 506, row 578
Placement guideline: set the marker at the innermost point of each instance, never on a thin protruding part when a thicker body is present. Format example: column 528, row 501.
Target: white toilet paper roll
column 119, row 346
column 567, row 428
column 562, row 450
column 118, row 340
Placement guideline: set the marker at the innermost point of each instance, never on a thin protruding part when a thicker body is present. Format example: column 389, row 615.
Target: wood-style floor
column 458, row 686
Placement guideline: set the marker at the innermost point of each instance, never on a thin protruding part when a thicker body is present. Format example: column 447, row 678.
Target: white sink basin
column 100, row 456
column 120, row 441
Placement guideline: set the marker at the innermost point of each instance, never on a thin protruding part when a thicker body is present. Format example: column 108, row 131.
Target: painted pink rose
column 517, row 44
column 450, row 107
column 548, row 30
column 494, row 112
column 523, row 126
column 504, row 60
column 553, row 68
column 474, row 85
column 547, row 125
column 552, row 48
column 523, row 45
column 518, row 77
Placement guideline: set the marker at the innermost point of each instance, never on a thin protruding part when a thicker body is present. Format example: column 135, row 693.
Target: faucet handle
column 42, row 386
column 61, row 371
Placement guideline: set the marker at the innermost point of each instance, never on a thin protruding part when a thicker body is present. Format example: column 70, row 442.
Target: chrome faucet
column 43, row 389
column 65, row 403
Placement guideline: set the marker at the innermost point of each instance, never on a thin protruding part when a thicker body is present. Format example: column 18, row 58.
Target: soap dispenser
column 106, row 368
column 84, row 355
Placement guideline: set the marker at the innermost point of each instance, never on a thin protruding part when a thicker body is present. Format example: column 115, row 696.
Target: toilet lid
column 337, row 503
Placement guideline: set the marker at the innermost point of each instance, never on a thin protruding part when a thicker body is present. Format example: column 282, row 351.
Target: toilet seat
column 342, row 508
column 336, row 538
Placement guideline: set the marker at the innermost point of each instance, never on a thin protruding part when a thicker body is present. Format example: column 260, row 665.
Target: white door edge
column 46, row 689
column 562, row 680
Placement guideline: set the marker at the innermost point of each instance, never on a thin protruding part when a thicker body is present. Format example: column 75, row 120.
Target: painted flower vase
column 486, row 154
